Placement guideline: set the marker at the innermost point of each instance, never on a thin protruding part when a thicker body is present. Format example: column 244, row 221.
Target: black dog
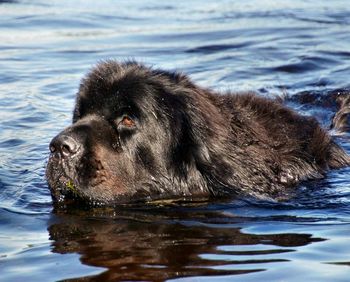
column 145, row 134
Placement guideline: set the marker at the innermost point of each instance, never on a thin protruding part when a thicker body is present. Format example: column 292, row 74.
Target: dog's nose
column 64, row 146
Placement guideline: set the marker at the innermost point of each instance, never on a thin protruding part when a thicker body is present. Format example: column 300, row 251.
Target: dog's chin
column 63, row 190
column 74, row 187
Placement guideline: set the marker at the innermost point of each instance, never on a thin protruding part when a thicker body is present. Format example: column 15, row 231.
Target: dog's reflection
column 148, row 246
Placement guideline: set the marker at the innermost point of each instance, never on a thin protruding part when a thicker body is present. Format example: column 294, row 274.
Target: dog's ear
column 199, row 135
column 193, row 119
column 196, row 130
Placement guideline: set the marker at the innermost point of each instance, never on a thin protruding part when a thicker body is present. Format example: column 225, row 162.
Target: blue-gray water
column 273, row 47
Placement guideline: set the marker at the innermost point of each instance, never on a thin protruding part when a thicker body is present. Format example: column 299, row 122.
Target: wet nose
column 64, row 146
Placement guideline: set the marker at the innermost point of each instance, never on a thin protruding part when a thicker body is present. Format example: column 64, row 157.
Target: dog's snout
column 64, row 146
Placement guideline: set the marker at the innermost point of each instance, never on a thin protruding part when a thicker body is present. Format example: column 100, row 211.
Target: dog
column 143, row 134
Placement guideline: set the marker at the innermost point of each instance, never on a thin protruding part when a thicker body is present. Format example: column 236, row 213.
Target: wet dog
column 142, row 134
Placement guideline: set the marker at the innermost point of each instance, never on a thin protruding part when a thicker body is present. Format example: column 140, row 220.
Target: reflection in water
column 151, row 245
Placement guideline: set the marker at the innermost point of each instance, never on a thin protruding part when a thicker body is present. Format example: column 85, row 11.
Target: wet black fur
column 188, row 141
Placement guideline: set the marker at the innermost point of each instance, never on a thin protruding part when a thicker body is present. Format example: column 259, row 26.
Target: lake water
column 273, row 47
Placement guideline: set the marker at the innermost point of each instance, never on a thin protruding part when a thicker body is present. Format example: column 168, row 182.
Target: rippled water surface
column 273, row 47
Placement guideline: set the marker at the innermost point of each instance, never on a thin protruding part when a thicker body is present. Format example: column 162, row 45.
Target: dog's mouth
column 63, row 189
column 62, row 181
column 72, row 183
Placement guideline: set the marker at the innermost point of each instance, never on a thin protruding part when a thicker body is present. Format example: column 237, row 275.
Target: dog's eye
column 127, row 122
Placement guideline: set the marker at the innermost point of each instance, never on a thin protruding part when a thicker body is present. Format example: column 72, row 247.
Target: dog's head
column 135, row 136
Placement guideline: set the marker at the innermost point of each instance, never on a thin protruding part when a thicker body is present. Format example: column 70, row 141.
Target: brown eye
column 128, row 122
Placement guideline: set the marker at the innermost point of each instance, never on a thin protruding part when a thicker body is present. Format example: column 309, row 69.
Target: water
column 268, row 46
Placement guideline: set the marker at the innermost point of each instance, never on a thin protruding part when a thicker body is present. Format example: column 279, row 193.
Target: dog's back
column 282, row 146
